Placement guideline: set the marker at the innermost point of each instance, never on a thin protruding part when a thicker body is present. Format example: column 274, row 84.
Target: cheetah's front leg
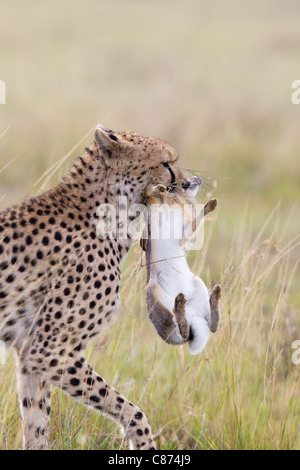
column 34, row 397
column 80, row 381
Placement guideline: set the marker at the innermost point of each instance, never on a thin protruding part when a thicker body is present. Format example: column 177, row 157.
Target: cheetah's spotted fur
column 59, row 283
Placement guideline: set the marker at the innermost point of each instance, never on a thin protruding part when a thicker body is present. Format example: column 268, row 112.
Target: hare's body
column 179, row 302
column 171, row 276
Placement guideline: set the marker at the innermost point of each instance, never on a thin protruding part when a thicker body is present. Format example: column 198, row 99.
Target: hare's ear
column 143, row 244
column 106, row 140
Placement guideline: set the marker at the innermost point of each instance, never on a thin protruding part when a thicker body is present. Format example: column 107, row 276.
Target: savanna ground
column 214, row 80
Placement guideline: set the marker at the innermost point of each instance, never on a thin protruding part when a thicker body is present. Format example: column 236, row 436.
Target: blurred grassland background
column 214, row 80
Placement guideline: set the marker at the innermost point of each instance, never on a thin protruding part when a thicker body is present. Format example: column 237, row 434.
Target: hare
column 178, row 302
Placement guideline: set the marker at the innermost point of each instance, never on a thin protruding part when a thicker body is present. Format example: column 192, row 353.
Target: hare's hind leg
column 215, row 308
column 169, row 330
column 179, row 312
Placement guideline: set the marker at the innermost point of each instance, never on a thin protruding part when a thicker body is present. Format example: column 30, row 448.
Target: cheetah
column 60, row 282
column 178, row 302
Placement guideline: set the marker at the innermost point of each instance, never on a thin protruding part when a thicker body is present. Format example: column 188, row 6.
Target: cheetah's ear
column 106, row 140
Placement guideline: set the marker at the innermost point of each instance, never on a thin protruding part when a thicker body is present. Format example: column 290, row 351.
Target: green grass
column 216, row 84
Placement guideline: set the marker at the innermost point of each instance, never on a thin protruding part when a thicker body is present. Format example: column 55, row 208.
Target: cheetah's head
column 134, row 161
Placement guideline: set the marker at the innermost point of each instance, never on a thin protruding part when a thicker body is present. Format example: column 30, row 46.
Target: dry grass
column 216, row 83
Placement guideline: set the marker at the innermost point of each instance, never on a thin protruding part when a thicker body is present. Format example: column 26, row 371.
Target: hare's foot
column 210, row 206
column 215, row 308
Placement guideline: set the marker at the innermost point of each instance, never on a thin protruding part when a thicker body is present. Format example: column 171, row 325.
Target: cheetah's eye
column 186, row 185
